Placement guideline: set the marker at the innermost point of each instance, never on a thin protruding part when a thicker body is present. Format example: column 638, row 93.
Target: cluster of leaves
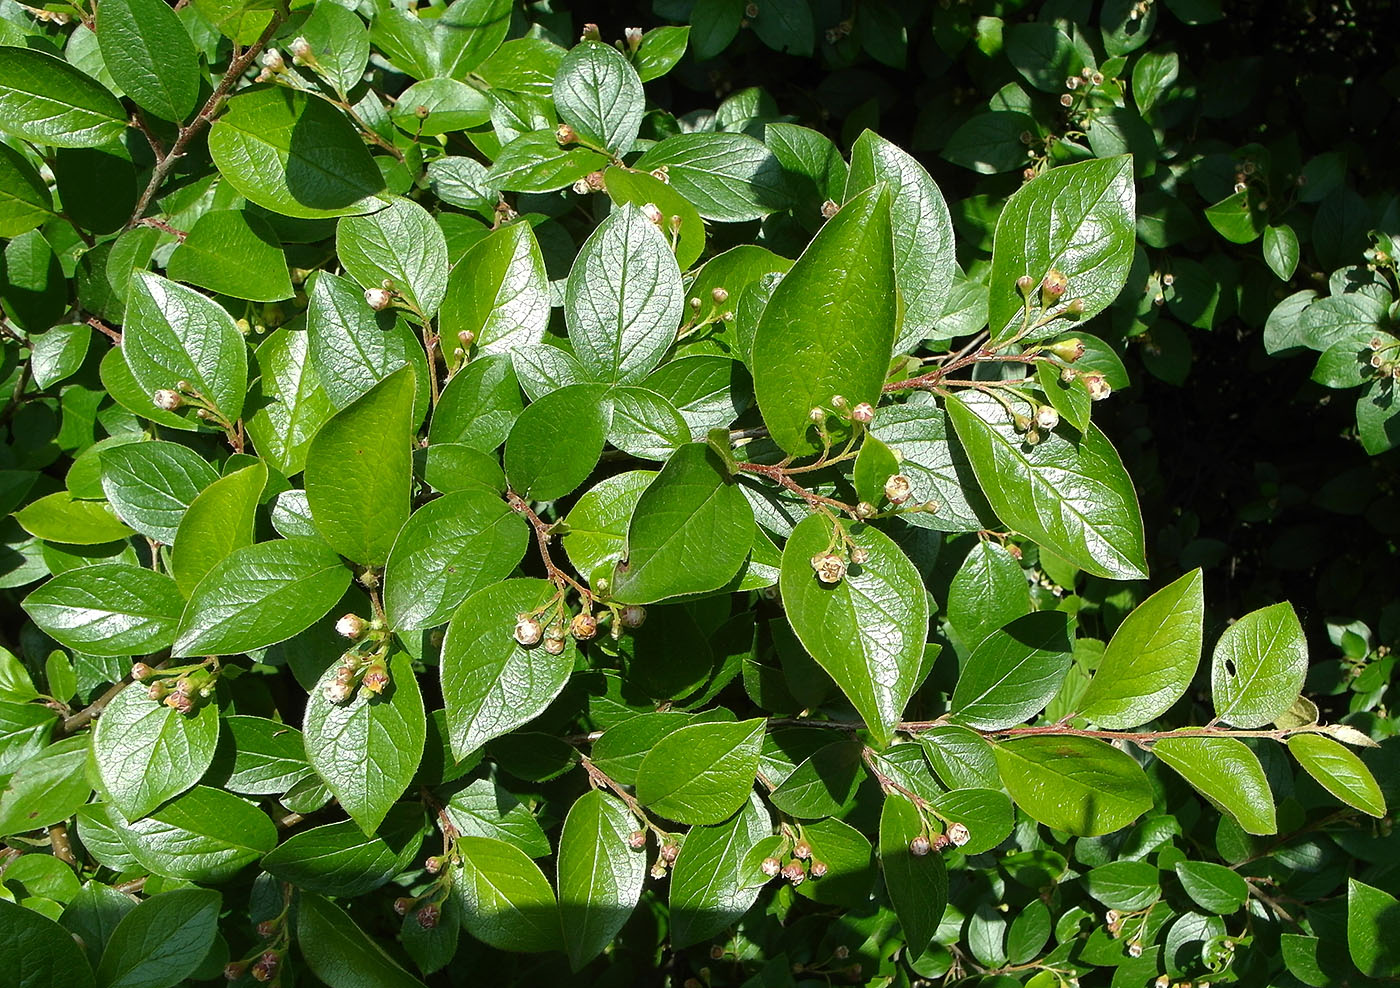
column 319, row 320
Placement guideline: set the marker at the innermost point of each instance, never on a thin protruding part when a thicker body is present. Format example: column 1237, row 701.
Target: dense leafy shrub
column 476, row 511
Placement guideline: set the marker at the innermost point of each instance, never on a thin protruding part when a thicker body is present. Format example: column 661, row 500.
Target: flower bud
column 180, row 702
column 898, row 489
column 528, row 631
column 272, row 61
column 795, row 873
column 658, row 869
column 632, row 616
column 829, row 209
column 1066, row 100
column 959, row 834
column 167, row 399
column 554, row 646
column 637, row 840
column 634, row 38
column 841, row 952
column 653, row 213
column 267, row 929
column 860, row 555
column 429, row 915
column 1135, row 949
column 669, row 851
column 751, row 10
column 818, row 868
column 863, row 413
column 376, row 678
column 839, row 402
column 919, row 846
column 1021, row 423
column 941, row 843
column 1099, row 389
column 1075, row 307
column 584, row 626
column 157, row 691
column 1054, row 283
column 139, row 670
column 1072, row 82
column 377, row 298
column 265, row 969
column 234, row 970
column 351, row 626
column 337, row 692
column 565, row 134
column 1046, row 417
column 720, row 295
column 771, row 867
column 817, row 415
column 403, row 904
column 830, row 568
column 433, row 865
column 1111, row 917
column 1024, row 284
column 1096, row 78
column 590, row 33
column 1068, row 350
column 865, row 510
column 301, row 50
column 802, row 850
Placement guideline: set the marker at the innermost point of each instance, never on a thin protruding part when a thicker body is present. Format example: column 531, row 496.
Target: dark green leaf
column 1213, row 886
column 162, row 941
column 1228, row 774
column 506, row 901
column 1079, row 785
column 1258, row 666
column 47, row 789
column 38, row 952
column 206, row 835
column 146, row 752
column 1015, row 672
column 599, row 93
column 1371, row 914
column 150, row 485
column 988, row 591
column 701, row 773
column 400, row 244
column 340, row 859
column 728, row 177
column 600, row 874
column 233, row 252
column 1338, row 771
column 710, row 888
column 150, row 56
column 555, row 443
column 340, row 953
column 917, row 884
column 216, row 523
column 45, row 100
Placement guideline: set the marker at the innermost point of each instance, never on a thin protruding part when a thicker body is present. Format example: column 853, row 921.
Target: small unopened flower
column 633, row 35
column 802, row 850
column 1024, row 284
column 795, row 873
column 841, row 952
column 1099, row 388
column 818, row 868
column 433, row 865
column 272, row 60
column 337, row 692
column 859, row 555
column 751, row 10
column 1066, row 100
column 829, row 209
column 265, row 968
column 377, row 298
column 959, row 834
column 1111, row 917
column 157, row 691
column 234, row 970
column 865, row 510
column 720, row 295
column 653, row 213
column 590, row 33
column 898, row 489
column 669, row 851
column 919, row 846
column 632, row 616
column 771, row 866
column 403, row 904
column 1162, row 981
column 658, row 869
column 376, row 678
column 351, row 626
column 662, row 174
column 1072, row 82
column 1074, row 307
column 180, row 702
column 301, row 50
column 528, row 631
column 1096, row 78
column 584, row 626
column 817, row 415
column 1068, row 350
column 1135, row 949
column 565, row 134
column 168, row 399
column 637, row 840
column 863, row 413
column 941, row 843
column 139, row 670
column 1054, row 283
column 1046, row 417
column 830, row 568
column 554, row 646
column 429, row 915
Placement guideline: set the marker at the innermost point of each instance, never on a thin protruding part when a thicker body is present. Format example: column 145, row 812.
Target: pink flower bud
column 351, row 626
column 167, row 399
column 528, row 631
column 863, row 413
column 378, row 299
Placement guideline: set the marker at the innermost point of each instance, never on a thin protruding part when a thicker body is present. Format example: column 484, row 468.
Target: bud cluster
column 184, row 690
column 365, row 664
column 797, row 863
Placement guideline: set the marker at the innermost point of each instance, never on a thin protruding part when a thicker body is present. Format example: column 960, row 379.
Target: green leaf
column 917, row 885
column 206, row 835
column 690, row 532
column 624, row 299
column 555, row 443
column 151, row 485
column 340, row 43
column 600, row 874
column 340, row 953
column 1070, row 495
column 400, row 244
column 162, row 941
column 660, row 50
column 58, row 353
column 268, row 757
column 484, row 809
column 1258, row 667
column 535, row 162
column 924, row 258
column 595, row 531
column 368, row 748
column 479, row 405
column 24, row 732
column 1371, row 915
column 728, row 177
column 823, row 784
column 936, row 465
column 1126, row 886
column 831, row 324
column 295, row 154
column 988, row 591
column 1151, row 660
column 216, row 523
column 39, row 951
column 1226, row 773
column 1070, row 398
column 702, row 773
column 353, row 349
column 875, row 464
column 150, row 56
column 440, row 106
column 46, row 789
column 359, row 471
column 506, row 901
column 640, row 188
column 1281, row 250
column 1213, row 886
column 146, row 752
column 598, row 92
column 1077, row 219
column 45, row 100
column 1237, row 218
column 499, row 292
column 1339, row 772
column 962, row 758
column 449, row 549
column 232, row 252
column 1153, row 75
column 710, row 887
column 260, row 595
column 173, row 333
column 108, row 609
column 1079, row 785
column 491, row 684
column 1015, row 672
column 850, row 865
column 868, row 630
column 25, row 200
column 468, row 32
column 339, row 859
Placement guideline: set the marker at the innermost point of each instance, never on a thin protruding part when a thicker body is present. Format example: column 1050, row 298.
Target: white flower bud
column 528, row 630
column 377, row 298
column 1046, row 417
column 652, row 213
column 863, row 413
column 898, row 489
column 830, row 567
column 272, row 60
column 959, row 834
column 301, row 50
column 351, row 626
column 167, row 399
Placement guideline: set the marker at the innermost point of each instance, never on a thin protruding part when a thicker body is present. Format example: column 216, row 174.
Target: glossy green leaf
column 600, row 874
column 108, row 609
column 217, row 522
column 1076, row 219
column 728, row 177
column 710, row 887
column 340, row 859
column 868, row 630
column 535, row 162
column 1338, row 771
column 150, row 56
column 46, row 789
column 294, row 154
column 823, row 784
column 960, row 756
column 640, row 188
column 937, row 466
column 596, row 526
column 400, row 244
column 46, row 100
column 260, row 595
column 25, row 200
column 39, row 952
column 555, row 443
column 831, row 324
column 1212, row 886
column 479, row 405
column 151, row 485
column 1015, row 672
column 624, row 298
column 690, row 532
column 1371, row 916
column 368, row 748
column 1071, row 496
column 339, row 42
column 205, row 835
column 58, row 353
column 499, row 292
column 1226, row 773
column 701, row 773
column 506, row 901
column 233, row 252
column 339, row 953
column 1258, row 667
column 1125, row 885
column 353, row 348
column 850, row 864
column 162, row 941
column 146, row 752
column 988, row 591
column 598, row 92
column 875, row 464
column 484, row 809
column 359, row 471
column 1281, row 250
column 440, row 106
column 173, row 334
column 1151, row 659
column 491, row 684
column 917, row 885
column 1079, row 785
column 267, row 757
